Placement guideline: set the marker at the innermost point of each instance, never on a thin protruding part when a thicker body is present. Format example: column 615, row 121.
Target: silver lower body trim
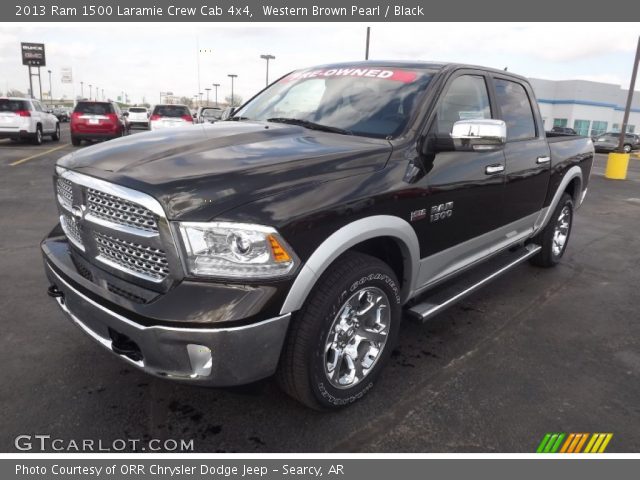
column 207, row 356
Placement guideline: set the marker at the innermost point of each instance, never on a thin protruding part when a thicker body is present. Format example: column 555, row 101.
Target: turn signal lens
column 279, row 253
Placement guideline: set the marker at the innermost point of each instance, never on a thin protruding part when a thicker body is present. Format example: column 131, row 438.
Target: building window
column 631, row 128
column 560, row 122
column 581, row 127
column 615, row 127
column 598, row 128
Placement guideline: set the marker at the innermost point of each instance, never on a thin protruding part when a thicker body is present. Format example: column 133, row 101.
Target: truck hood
column 200, row 171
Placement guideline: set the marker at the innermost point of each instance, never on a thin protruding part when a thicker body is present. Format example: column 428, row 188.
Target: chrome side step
column 443, row 297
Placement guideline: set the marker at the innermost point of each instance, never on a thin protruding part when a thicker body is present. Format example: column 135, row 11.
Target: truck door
column 528, row 159
column 463, row 188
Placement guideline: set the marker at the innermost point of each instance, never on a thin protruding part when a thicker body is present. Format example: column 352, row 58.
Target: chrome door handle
column 491, row 169
column 543, row 159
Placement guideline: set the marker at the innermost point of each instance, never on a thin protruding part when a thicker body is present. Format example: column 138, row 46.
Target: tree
column 186, row 101
column 12, row 92
column 237, row 100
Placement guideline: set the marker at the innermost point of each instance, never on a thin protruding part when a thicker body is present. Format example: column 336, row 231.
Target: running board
column 457, row 289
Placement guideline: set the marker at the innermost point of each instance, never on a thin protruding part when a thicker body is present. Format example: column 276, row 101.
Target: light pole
column 200, row 96
column 50, row 96
column 216, row 85
column 103, row 94
column 232, row 76
column 82, row 89
column 208, row 90
column 267, row 58
column 90, row 90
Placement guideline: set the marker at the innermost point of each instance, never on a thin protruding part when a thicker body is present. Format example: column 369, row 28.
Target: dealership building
column 590, row 108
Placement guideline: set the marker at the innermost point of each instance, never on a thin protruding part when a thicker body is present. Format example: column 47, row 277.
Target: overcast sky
column 144, row 59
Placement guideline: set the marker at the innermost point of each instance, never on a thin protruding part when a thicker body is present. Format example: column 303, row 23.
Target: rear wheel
column 627, row 148
column 75, row 141
column 555, row 236
column 56, row 135
column 340, row 340
column 37, row 137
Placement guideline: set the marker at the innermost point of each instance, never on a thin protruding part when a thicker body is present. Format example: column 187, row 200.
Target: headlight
column 235, row 250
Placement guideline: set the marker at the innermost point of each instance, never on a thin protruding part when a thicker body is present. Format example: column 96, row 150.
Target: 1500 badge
column 442, row 211
column 438, row 212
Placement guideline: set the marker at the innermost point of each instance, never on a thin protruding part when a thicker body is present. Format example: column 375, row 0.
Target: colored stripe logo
column 574, row 442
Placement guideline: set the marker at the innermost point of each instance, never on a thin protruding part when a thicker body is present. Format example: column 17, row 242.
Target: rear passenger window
column 466, row 99
column 516, row 110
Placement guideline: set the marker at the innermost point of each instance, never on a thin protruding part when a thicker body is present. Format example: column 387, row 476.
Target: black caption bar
column 327, row 469
column 312, row 11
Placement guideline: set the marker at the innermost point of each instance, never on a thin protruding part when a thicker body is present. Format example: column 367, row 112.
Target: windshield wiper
column 310, row 125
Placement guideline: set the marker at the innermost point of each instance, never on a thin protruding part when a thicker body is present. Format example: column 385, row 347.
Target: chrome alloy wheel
column 561, row 231
column 357, row 337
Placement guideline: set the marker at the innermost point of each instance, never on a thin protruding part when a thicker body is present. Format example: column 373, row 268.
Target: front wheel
column 56, row 135
column 341, row 338
column 555, row 236
column 75, row 141
column 37, row 137
column 626, row 148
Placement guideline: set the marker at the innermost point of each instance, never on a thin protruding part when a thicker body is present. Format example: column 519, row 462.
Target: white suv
column 25, row 119
column 170, row 116
column 138, row 116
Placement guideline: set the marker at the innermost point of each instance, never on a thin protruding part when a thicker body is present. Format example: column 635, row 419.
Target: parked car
column 139, row 116
column 95, row 120
column 290, row 239
column 170, row 116
column 208, row 115
column 564, row 130
column 25, row 119
column 607, row 142
column 227, row 113
column 62, row 114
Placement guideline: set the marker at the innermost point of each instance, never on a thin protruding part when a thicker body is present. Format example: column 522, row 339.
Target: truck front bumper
column 223, row 356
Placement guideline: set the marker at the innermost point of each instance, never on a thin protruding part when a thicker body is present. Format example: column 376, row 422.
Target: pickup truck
column 294, row 237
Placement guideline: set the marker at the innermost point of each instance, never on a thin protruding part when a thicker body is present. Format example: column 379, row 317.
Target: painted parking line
column 26, row 159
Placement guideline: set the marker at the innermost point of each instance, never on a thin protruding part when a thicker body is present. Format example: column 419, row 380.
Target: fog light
column 201, row 360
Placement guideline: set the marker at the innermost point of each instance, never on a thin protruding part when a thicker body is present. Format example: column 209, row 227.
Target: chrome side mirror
column 480, row 134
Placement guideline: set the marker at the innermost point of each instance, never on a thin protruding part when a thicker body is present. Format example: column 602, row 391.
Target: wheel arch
column 360, row 235
column 571, row 182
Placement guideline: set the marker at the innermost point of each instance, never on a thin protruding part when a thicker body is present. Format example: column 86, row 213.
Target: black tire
column 37, row 137
column 302, row 370
column 550, row 255
column 56, row 136
column 75, row 141
column 627, row 148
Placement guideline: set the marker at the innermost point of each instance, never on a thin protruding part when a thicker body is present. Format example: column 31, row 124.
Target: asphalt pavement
column 536, row 351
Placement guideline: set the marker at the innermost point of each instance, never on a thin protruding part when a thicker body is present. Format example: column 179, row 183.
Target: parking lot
column 537, row 351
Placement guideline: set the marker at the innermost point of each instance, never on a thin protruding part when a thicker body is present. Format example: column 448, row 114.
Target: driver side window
column 466, row 99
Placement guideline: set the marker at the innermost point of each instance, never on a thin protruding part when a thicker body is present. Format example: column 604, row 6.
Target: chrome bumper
column 213, row 357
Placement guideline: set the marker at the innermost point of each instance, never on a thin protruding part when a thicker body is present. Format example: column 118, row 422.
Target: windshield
column 367, row 101
column 93, row 108
column 138, row 110
column 175, row 111
column 12, row 105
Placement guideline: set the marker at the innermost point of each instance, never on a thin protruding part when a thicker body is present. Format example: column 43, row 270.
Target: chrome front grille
column 120, row 211
column 64, row 189
column 135, row 258
column 72, row 230
column 117, row 229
